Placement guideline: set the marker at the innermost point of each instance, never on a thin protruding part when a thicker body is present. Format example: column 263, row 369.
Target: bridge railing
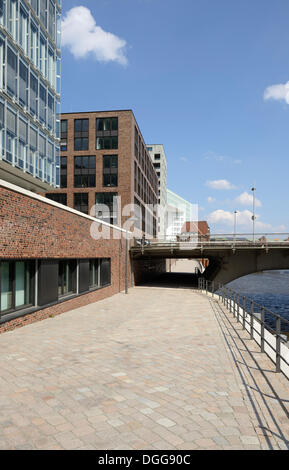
column 268, row 329
column 261, row 240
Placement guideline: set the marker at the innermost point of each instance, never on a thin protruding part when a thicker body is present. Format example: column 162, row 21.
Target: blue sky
column 195, row 73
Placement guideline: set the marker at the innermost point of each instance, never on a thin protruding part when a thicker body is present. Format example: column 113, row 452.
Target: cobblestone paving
column 157, row 369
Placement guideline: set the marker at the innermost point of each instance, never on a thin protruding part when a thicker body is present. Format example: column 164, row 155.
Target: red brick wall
column 32, row 229
column 126, row 159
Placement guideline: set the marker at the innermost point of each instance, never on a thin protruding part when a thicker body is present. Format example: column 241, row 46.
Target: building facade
column 158, row 156
column 178, row 212
column 49, row 263
column 30, row 92
column 195, row 231
column 105, row 167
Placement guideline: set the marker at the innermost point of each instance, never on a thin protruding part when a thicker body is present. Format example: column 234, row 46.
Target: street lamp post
column 254, row 216
column 235, row 224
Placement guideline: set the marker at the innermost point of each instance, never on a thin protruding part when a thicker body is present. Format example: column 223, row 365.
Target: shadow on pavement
column 172, row 281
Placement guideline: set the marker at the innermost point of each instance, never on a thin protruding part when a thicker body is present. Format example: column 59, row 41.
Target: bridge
column 230, row 257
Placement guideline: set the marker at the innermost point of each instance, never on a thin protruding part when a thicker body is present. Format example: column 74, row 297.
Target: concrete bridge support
column 230, row 266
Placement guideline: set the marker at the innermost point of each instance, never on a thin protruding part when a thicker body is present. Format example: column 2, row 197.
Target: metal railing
column 264, row 326
column 238, row 240
column 261, row 237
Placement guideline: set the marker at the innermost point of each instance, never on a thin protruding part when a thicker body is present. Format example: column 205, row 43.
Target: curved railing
column 268, row 329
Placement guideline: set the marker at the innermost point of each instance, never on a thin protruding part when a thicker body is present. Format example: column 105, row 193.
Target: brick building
column 103, row 155
column 49, row 263
column 196, row 231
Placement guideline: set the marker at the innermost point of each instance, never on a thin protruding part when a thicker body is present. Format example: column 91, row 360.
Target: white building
column 158, row 156
column 178, row 212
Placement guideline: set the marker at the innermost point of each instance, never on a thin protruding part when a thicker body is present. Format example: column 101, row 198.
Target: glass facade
column 26, row 285
column 30, row 86
column 16, row 285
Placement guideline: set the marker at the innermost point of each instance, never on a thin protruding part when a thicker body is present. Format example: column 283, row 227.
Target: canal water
column 268, row 288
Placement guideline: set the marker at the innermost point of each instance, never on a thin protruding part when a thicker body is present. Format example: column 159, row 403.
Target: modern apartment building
column 178, row 212
column 105, row 166
column 30, row 92
column 158, row 156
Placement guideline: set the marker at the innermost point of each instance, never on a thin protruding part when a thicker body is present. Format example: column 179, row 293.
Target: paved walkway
column 157, row 369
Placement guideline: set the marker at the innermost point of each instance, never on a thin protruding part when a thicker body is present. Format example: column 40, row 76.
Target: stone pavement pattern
column 157, row 369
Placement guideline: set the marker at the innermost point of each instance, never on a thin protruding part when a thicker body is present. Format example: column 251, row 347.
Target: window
column 61, row 198
column 43, row 56
column 94, row 273
column 23, row 84
column 11, row 141
column 106, row 207
column 32, row 151
column 107, row 124
column 49, row 161
column 2, row 64
column 42, row 104
column 2, row 144
column 105, row 272
column 23, row 141
column 157, row 156
column 63, row 130
column 33, row 94
column 12, row 15
column 99, row 272
column 11, row 72
column 84, row 172
column 23, row 29
column 110, row 170
column 66, row 277
column 106, row 143
column 51, row 19
column 34, row 43
column 16, row 285
column 106, row 133
column 51, row 67
column 81, row 202
column 43, row 11
column 157, row 165
column 2, row 12
column 50, row 113
column 63, row 172
column 81, row 134
column 42, row 155
column 34, row 4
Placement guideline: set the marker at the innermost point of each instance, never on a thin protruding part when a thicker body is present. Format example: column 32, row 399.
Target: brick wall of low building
column 32, row 229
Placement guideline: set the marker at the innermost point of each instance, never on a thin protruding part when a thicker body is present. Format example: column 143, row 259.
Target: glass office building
column 178, row 212
column 30, row 91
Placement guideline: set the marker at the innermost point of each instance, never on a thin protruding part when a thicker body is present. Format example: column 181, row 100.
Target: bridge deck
column 157, row 369
column 199, row 249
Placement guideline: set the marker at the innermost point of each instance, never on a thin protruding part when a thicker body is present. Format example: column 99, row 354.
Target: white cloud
column 246, row 199
column 220, row 184
column 221, row 158
column 244, row 219
column 83, row 37
column 210, row 199
column 183, row 159
column 277, row 92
